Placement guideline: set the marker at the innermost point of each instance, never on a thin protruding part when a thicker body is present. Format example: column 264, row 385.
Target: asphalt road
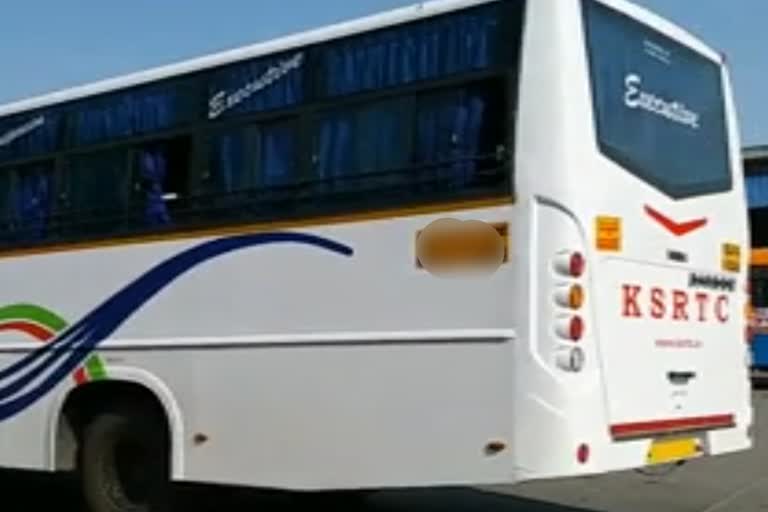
column 736, row 483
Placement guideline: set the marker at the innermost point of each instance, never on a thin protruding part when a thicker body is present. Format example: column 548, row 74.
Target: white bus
column 210, row 270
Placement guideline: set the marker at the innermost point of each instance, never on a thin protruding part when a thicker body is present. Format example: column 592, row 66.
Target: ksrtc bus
column 211, row 270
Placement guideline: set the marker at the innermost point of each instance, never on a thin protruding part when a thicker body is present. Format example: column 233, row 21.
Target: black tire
column 124, row 463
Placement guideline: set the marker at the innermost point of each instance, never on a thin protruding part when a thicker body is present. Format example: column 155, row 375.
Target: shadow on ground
column 736, row 483
column 33, row 492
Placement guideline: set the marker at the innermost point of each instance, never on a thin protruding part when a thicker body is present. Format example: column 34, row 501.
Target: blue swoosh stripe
column 74, row 345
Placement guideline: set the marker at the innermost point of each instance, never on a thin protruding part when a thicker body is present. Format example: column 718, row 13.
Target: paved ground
column 731, row 484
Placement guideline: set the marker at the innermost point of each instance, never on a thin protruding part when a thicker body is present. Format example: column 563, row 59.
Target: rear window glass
column 659, row 105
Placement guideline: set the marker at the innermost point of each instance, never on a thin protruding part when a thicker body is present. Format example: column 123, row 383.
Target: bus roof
column 315, row 36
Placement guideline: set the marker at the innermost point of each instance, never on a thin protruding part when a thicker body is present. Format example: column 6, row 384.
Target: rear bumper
column 549, row 451
column 633, row 454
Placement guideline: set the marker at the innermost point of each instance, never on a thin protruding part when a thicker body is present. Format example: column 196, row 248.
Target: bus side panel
column 347, row 417
column 232, row 341
column 364, row 411
column 24, row 440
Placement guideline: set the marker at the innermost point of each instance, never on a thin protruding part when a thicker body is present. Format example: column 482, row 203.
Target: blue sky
column 51, row 44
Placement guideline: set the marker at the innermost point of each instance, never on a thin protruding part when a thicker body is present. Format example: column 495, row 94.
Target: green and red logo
column 43, row 325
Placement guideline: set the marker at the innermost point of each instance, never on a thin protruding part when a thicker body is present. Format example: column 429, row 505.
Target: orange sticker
column 608, row 230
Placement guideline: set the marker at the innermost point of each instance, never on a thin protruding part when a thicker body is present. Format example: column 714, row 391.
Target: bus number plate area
column 664, row 451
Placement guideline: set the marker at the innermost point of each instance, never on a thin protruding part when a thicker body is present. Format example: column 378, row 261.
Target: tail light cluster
column 570, row 298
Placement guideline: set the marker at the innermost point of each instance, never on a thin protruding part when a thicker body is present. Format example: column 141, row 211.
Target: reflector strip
column 650, row 428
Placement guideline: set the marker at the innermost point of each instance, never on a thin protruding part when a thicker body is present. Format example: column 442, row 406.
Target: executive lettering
column 8, row 138
column 223, row 101
column 636, row 98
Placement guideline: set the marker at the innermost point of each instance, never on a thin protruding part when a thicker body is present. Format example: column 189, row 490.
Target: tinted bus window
column 659, row 106
column 441, row 47
column 31, row 134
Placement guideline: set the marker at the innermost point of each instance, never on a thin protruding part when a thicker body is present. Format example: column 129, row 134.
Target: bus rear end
column 670, row 238
column 642, row 189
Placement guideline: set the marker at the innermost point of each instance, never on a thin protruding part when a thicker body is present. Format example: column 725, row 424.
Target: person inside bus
column 153, row 172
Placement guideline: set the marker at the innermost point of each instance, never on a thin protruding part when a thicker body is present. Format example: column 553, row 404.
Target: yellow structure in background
column 758, row 258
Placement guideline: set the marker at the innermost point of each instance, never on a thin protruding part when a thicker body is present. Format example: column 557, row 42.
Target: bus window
column 457, row 134
column 30, row 203
column 659, row 106
column 349, row 158
column 164, row 168
column 98, row 193
column 250, row 168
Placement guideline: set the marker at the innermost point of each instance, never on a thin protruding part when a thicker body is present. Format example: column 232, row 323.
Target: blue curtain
column 255, row 156
column 369, row 140
column 153, row 172
column 377, row 139
column 448, row 137
column 132, row 113
column 229, row 167
column 32, row 202
column 153, row 112
column 278, row 154
column 252, row 159
column 455, row 43
column 336, row 150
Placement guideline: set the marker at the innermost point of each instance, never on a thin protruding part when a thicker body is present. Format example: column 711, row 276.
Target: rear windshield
column 659, row 106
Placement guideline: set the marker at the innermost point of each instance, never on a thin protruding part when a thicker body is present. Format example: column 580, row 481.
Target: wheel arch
column 62, row 442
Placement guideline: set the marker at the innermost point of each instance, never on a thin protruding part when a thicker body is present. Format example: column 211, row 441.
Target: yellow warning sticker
column 609, row 236
column 731, row 257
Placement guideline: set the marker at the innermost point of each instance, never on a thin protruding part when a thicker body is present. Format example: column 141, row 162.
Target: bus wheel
column 123, row 463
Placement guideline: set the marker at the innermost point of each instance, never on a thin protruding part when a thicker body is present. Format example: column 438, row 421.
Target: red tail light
column 570, row 265
column 577, row 265
column 582, row 454
column 576, row 328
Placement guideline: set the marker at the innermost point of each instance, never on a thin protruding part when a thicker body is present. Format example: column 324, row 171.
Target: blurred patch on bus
column 449, row 247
